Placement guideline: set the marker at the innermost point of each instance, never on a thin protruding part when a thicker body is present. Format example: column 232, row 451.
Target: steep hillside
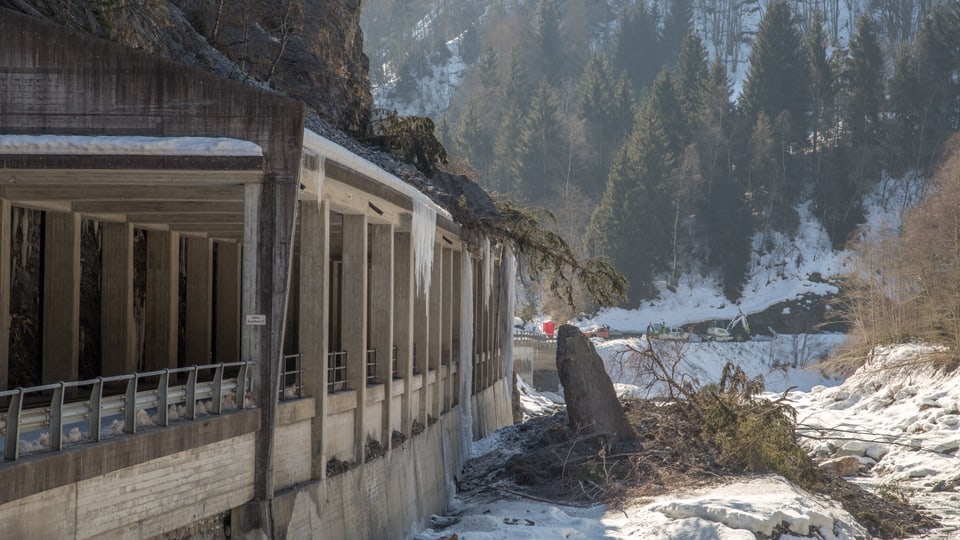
column 307, row 49
column 679, row 140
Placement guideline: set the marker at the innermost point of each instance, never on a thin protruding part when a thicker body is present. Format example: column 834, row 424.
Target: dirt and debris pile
column 543, row 460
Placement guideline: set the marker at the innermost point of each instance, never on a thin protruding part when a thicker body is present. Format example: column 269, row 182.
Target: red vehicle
column 602, row 331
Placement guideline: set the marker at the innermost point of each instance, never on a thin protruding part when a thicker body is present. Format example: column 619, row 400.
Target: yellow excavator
column 737, row 330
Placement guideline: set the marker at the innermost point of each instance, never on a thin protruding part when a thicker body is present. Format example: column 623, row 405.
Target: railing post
column 163, row 395
column 96, row 394
column 283, row 372
column 56, row 418
column 191, row 390
column 130, row 406
column 217, row 403
column 241, row 385
column 299, row 375
column 12, row 450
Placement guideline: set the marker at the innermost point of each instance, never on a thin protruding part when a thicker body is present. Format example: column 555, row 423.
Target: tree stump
column 592, row 403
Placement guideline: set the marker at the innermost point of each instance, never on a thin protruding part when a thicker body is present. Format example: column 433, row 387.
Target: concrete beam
column 187, row 218
column 381, row 317
column 161, row 207
column 61, row 297
column 198, row 331
column 92, row 170
column 6, row 230
column 121, row 193
column 403, row 303
column 118, row 333
column 162, row 299
column 355, row 342
column 313, row 320
column 228, row 302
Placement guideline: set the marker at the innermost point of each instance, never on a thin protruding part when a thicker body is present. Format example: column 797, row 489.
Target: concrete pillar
column 269, row 210
column 355, row 318
column 118, row 333
column 198, row 332
column 6, row 226
column 436, row 330
column 421, row 350
column 291, row 333
column 61, row 297
column 446, row 326
column 228, row 302
column 456, row 288
column 495, row 302
column 403, row 293
column 314, row 313
column 477, row 328
column 381, row 318
column 162, row 297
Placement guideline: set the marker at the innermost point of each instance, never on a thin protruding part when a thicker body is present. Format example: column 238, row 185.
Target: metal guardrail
column 16, row 420
column 291, row 377
column 371, row 366
column 336, row 372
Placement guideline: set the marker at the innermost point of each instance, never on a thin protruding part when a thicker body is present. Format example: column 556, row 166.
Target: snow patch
column 126, row 145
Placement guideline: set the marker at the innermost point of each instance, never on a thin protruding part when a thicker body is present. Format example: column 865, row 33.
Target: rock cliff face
column 311, row 50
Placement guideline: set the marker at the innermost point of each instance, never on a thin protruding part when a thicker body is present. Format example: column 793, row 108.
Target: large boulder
column 592, row 404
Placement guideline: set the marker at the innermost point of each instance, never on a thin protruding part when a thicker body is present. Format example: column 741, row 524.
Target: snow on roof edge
column 127, row 145
column 364, row 166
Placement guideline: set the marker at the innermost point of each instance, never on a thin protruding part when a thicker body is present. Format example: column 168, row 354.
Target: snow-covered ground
column 899, row 415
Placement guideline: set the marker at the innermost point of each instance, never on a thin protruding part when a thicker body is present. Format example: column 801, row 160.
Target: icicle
column 508, row 276
column 424, row 231
column 487, row 260
column 466, row 356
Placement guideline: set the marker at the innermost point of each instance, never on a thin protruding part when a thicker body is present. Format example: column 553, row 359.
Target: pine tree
column 540, row 149
column 517, row 86
column 472, row 138
column 636, row 50
column 778, row 79
column 677, row 24
column 487, row 68
column 664, row 102
column 822, row 90
column 925, row 92
column 503, row 170
column 692, row 81
column 550, row 46
column 864, row 85
column 629, row 225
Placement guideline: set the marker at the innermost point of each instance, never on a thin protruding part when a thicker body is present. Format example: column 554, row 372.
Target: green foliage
column 630, row 225
column 864, row 84
column 754, row 434
column 636, row 50
column 539, row 150
column 549, row 43
column 778, row 79
column 548, row 256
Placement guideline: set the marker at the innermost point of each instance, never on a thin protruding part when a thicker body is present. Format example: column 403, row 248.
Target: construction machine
column 737, row 330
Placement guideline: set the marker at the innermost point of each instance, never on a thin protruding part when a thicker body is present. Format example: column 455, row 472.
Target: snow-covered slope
column 797, row 265
column 901, row 417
